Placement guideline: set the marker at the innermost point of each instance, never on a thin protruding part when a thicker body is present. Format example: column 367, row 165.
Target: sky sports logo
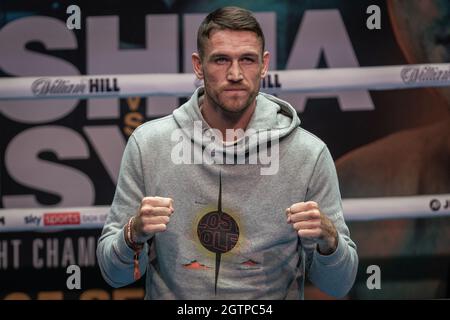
column 61, row 218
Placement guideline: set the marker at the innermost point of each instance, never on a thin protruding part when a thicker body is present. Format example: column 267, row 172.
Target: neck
column 222, row 120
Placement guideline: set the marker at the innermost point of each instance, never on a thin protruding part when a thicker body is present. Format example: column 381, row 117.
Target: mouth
column 235, row 89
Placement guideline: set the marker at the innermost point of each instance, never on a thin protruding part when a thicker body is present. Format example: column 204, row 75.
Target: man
column 222, row 230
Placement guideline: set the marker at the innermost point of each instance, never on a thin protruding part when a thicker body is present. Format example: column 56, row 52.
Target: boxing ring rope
column 364, row 209
column 179, row 84
column 182, row 85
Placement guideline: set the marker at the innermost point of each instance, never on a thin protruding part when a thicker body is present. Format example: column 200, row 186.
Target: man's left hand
column 310, row 223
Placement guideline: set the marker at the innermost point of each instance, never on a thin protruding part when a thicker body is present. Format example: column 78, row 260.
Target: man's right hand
column 153, row 216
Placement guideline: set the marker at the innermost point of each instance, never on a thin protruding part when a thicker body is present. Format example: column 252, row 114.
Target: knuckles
column 155, row 220
column 157, row 202
column 146, row 210
column 306, row 215
column 303, row 206
column 312, row 205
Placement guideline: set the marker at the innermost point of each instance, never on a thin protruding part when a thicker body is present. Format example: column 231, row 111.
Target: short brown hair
column 231, row 18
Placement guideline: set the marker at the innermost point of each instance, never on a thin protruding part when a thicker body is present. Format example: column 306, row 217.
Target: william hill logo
column 271, row 81
column 61, row 86
column 103, row 85
column 50, row 87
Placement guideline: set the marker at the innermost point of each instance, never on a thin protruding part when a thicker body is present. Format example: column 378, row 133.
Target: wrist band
column 137, row 247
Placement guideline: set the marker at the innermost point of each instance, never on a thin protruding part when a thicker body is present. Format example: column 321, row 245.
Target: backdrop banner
column 363, row 78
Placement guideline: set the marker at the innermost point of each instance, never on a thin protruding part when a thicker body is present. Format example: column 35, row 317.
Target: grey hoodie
column 228, row 237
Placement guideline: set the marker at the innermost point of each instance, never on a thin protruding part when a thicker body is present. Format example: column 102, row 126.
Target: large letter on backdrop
column 17, row 60
column 323, row 32
column 24, row 165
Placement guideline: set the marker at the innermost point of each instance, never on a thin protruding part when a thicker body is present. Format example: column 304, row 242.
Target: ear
column 197, row 65
column 265, row 61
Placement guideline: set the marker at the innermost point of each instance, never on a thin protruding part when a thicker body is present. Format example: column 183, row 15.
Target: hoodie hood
column 272, row 120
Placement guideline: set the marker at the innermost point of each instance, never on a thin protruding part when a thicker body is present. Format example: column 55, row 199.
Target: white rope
column 367, row 209
column 315, row 80
column 421, row 206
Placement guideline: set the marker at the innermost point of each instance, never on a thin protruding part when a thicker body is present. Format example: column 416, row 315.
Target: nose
column 234, row 72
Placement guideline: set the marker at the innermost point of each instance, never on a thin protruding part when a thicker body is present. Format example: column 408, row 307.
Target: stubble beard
column 231, row 110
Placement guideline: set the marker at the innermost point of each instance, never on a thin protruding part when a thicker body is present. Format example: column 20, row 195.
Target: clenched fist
column 153, row 216
column 312, row 224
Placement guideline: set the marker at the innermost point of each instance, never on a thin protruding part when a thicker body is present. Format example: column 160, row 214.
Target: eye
column 221, row 60
column 248, row 60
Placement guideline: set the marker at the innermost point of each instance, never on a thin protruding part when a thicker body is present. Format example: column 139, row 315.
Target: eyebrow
column 246, row 54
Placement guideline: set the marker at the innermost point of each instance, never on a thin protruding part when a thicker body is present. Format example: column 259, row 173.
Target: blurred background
column 57, row 154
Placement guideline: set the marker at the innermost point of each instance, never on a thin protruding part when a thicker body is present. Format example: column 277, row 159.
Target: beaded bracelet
column 137, row 248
